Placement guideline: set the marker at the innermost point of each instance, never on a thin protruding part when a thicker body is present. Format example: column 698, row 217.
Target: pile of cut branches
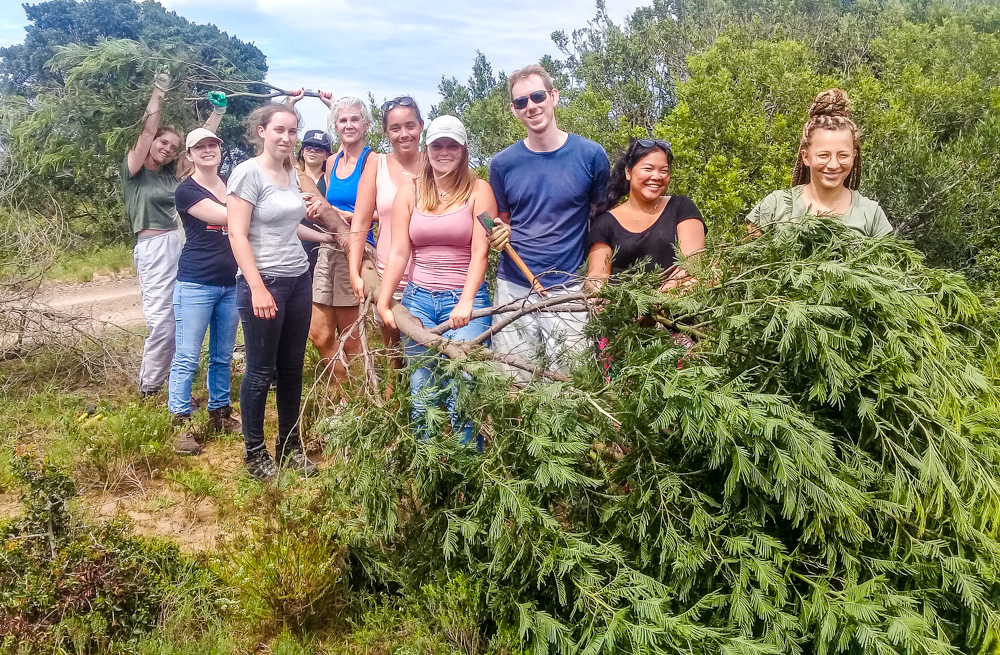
column 818, row 474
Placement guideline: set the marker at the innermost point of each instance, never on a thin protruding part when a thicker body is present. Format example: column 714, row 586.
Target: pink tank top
column 385, row 194
column 442, row 249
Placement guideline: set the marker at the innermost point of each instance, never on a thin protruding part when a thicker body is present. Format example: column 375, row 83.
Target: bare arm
column 239, row 211
column 399, row 254
column 305, row 233
column 691, row 240
column 209, row 211
column 482, row 201
column 361, row 222
column 598, row 266
column 151, row 122
column 213, row 122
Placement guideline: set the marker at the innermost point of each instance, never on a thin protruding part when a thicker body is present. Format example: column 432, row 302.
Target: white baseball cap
column 446, row 126
column 198, row 135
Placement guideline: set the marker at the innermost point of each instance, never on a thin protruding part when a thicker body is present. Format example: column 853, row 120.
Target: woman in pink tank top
column 433, row 219
column 402, row 124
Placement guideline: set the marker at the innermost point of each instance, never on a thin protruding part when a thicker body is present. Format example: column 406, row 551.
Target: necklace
column 640, row 212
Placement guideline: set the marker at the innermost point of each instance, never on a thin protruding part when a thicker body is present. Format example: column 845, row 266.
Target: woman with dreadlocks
column 827, row 174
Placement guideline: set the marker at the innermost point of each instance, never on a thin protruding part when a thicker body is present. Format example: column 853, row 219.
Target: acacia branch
column 411, row 326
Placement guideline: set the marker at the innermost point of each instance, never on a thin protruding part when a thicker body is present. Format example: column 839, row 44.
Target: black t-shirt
column 207, row 257
column 312, row 247
column 656, row 242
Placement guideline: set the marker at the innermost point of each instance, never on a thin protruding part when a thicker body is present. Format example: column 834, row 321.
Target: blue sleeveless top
column 343, row 193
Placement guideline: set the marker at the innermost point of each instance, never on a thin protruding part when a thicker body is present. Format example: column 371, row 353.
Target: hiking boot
column 260, row 466
column 293, row 458
column 185, row 443
column 224, row 419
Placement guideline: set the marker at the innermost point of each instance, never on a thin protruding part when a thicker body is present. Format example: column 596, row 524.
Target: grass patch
column 82, row 265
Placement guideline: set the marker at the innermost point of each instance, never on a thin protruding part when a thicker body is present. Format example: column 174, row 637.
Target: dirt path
column 106, row 299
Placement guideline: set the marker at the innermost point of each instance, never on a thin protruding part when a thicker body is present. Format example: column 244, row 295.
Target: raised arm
column 364, row 215
column 150, row 123
column 399, row 253
column 219, row 104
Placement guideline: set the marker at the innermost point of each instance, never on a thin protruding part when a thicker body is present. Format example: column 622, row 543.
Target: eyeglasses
column 401, row 101
column 649, row 143
column 537, row 97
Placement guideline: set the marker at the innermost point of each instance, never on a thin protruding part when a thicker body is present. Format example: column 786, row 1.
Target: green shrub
column 84, row 587
column 287, row 570
column 818, row 475
column 136, row 437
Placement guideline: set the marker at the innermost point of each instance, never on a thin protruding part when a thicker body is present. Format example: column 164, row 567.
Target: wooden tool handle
column 535, row 284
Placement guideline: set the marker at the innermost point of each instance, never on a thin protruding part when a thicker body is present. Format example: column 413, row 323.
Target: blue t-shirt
column 207, row 257
column 548, row 196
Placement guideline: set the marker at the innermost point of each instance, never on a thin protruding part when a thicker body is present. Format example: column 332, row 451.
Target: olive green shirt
column 149, row 197
column 786, row 206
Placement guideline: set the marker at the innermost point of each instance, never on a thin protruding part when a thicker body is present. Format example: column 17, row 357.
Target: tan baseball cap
column 198, row 135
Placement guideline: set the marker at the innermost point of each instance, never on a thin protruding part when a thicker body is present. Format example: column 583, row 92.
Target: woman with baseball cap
column 205, row 291
column 433, row 218
column 311, row 163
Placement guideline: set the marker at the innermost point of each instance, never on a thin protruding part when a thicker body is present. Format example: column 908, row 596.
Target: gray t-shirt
column 864, row 216
column 274, row 220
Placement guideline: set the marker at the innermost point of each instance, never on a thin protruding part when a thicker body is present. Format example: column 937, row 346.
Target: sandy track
column 106, row 300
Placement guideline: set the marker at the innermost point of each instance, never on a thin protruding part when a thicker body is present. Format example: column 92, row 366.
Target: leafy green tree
column 75, row 90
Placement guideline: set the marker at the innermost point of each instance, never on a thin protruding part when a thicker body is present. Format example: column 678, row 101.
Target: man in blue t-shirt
column 544, row 186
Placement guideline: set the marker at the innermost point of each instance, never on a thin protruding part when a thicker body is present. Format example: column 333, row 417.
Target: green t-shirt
column 149, row 197
column 786, row 206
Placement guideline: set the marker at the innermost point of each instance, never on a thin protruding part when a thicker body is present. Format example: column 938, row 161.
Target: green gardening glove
column 218, row 100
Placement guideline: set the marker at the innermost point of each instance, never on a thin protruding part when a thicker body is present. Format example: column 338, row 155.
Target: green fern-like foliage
column 818, row 475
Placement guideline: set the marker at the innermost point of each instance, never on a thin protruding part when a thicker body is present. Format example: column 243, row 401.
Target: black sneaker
column 260, row 466
column 295, row 459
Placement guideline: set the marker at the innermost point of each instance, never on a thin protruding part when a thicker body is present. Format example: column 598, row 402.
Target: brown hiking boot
column 224, row 419
column 185, row 443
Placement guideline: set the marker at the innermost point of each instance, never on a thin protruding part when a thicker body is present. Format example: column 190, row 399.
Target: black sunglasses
column 401, row 101
column 537, row 97
column 649, row 143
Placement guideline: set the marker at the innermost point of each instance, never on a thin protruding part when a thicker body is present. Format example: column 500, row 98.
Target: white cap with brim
column 198, row 135
column 446, row 126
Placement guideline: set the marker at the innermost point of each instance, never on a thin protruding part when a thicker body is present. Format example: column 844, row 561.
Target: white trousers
column 156, row 265
column 549, row 339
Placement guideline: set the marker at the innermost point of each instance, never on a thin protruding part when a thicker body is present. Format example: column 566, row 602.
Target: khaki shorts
column 332, row 278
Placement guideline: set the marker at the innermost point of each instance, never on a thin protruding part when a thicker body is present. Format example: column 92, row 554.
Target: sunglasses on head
column 401, row 101
column 649, row 143
column 537, row 97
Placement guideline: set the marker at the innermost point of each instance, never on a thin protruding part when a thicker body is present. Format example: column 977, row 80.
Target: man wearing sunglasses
column 545, row 186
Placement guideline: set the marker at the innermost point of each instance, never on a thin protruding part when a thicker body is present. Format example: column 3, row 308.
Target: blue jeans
column 434, row 308
column 276, row 350
column 197, row 308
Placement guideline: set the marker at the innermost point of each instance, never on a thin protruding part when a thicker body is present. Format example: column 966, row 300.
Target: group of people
column 280, row 245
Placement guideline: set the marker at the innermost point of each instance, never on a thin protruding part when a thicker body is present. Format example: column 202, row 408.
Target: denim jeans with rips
column 434, row 308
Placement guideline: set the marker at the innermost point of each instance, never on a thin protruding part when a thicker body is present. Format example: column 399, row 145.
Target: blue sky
column 388, row 47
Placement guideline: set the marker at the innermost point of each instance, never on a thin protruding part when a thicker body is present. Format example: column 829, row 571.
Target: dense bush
column 76, row 587
column 818, row 475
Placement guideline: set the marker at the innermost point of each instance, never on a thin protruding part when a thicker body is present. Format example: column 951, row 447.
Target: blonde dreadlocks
column 829, row 111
